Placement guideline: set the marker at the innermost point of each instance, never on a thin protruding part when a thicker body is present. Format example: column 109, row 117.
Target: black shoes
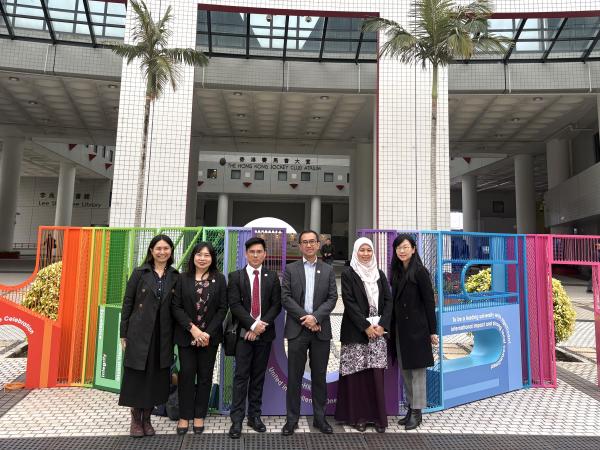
column 323, row 426
column 406, row 418
column 379, row 429
column 198, row 430
column 289, row 428
column 415, row 420
column 182, row 430
column 362, row 427
column 256, row 424
column 235, row 432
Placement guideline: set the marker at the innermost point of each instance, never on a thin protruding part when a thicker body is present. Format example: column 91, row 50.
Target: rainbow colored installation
column 512, row 324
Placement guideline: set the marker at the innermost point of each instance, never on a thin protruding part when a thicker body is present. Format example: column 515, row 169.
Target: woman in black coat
column 415, row 324
column 363, row 357
column 146, row 332
column 199, row 308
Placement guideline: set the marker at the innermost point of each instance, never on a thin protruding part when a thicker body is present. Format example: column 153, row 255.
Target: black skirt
column 150, row 387
column 361, row 399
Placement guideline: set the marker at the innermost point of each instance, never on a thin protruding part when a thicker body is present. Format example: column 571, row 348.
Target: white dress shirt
column 250, row 271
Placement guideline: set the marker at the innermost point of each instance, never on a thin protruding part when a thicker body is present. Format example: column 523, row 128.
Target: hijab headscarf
column 368, row 273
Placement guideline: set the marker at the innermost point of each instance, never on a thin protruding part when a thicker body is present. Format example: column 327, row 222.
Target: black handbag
column 230, row 334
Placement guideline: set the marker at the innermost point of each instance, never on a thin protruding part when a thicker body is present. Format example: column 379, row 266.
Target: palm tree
column 160, row 66
column 441, row 31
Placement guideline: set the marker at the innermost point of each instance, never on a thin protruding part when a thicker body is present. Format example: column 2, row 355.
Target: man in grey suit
column 308, row 294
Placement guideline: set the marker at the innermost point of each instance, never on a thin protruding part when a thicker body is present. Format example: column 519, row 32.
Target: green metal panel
column 107, row 375
column 117, row 266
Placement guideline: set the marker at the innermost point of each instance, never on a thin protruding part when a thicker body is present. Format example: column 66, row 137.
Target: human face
column 256, row 255
column 202, row 260
column 309, row 245
column 365, row 253
column 161, row 252
column 404, row 251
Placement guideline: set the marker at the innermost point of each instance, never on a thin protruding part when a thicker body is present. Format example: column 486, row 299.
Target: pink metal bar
column 596, row 289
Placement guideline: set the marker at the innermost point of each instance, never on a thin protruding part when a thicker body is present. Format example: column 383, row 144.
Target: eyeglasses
column 255, row 252
column 311, row 242
column 405, row 248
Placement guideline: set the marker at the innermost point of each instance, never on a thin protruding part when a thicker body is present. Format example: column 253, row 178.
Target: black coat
column 356, row 307
column 140, row 309
column 184, row 308
column 414, row 317
column 240, row 300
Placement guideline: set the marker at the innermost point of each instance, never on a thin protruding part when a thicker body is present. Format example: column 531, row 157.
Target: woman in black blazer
column 363, row 357
column 146, row 332
column 415, row 325
column 199, row 308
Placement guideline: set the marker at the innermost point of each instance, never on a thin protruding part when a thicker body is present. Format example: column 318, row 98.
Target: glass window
column 236, row 174
column 282, row 175
column 304, row 176
column 259, row 174
column 328, row 177
column 211, row 174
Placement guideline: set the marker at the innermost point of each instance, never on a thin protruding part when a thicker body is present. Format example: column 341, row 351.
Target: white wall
column 582, row 149
column 36, row 205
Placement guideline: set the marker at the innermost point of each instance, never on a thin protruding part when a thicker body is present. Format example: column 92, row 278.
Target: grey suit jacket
column 292, row 298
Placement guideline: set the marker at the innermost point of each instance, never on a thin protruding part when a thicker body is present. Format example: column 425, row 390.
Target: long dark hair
column 213, row 269
column 155, row 240
column 415, row 261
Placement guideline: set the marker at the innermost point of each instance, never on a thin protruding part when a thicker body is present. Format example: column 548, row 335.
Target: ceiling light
column 112, row 86
column 32, row 102
column 237, row 93
column 538, row 99
column 241, row 116
column 310, row 133
column 498, row 135
column 14, row 78
column 269, row 18
column 316, row 117
column 308, row 19
column 324, row 97
column 515, row 119
column 243, row 130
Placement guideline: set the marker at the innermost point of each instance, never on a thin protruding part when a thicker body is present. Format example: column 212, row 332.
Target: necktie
column 255, row 308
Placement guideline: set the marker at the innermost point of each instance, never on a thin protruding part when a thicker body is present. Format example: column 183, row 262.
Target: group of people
column 163, row 307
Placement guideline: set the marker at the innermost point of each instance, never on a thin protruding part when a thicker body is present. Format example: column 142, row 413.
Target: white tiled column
column 169, row 131
column 192, row 185
column 315, row 213
column 558, row 166
column 64, row 195
column 10, row 173
column 222, row 210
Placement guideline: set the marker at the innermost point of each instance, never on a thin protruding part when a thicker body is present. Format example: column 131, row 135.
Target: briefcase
column 230, row 334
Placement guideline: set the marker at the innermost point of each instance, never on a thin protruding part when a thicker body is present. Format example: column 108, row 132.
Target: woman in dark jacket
column 146, row 333
column 363, row 357
column 415, row 324
column 199, row 308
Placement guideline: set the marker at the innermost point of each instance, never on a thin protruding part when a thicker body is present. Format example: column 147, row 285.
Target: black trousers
column 318, row 351
column 251, row 360
column 195, row 380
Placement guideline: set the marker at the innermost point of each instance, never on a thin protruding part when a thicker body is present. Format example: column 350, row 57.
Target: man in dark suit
column 254, row 296
column 308, row 294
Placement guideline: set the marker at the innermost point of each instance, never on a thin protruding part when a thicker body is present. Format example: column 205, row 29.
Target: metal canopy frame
column 547, row 45
column 287, row 33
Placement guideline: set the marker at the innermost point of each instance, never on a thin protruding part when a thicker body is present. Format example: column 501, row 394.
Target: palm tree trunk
column 139, row 198
column 433, row 153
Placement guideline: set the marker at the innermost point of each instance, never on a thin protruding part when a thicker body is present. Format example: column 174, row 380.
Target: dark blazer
column 141, row 308
column 292, row 298
column 239, row 298
column 184, row 308
column 356, row 307
column 415, row 320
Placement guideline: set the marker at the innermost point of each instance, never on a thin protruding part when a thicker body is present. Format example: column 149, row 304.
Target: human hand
column 250, row 335
column 435, row 340
column 308, row 321
column 123, row 344
column 315, row 329
column 379, row 330
column 196, row 332
column 260, row 327
column 371, row 333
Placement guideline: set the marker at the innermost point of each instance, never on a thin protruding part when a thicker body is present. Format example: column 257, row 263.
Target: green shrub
column 43, row 295
column 564, row 313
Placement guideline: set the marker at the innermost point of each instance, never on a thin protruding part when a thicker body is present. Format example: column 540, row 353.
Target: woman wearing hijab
column 363, row 357
column 414, row 325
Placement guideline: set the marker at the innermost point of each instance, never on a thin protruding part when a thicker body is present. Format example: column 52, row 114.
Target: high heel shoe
column 183, row 430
